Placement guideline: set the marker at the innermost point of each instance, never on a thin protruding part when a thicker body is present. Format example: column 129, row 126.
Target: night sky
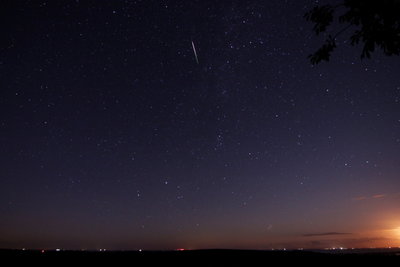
column 113, row 136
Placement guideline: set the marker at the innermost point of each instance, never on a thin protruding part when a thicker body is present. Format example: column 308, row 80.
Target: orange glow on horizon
column 397, row 232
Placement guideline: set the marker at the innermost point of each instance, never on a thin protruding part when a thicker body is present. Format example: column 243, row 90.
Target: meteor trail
column 195, row 53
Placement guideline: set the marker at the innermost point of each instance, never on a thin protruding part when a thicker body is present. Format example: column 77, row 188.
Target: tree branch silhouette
column 376, row 23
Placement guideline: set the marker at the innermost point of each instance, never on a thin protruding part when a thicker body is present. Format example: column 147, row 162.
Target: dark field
column 203, row 257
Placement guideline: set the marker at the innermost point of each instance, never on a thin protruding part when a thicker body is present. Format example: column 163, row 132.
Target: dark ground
column 202, row 257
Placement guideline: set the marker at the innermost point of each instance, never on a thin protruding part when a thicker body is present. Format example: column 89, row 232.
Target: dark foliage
column 374, row 24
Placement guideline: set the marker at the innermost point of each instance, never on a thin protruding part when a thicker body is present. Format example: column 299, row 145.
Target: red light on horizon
column 180, row 249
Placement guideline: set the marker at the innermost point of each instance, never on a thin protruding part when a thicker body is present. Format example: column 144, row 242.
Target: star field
column 113, row 136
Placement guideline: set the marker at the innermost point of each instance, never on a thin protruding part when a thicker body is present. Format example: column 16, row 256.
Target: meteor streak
column 195, row 53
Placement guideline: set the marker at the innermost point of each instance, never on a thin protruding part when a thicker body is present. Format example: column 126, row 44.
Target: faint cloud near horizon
column 376, row 196
column 326, row 234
